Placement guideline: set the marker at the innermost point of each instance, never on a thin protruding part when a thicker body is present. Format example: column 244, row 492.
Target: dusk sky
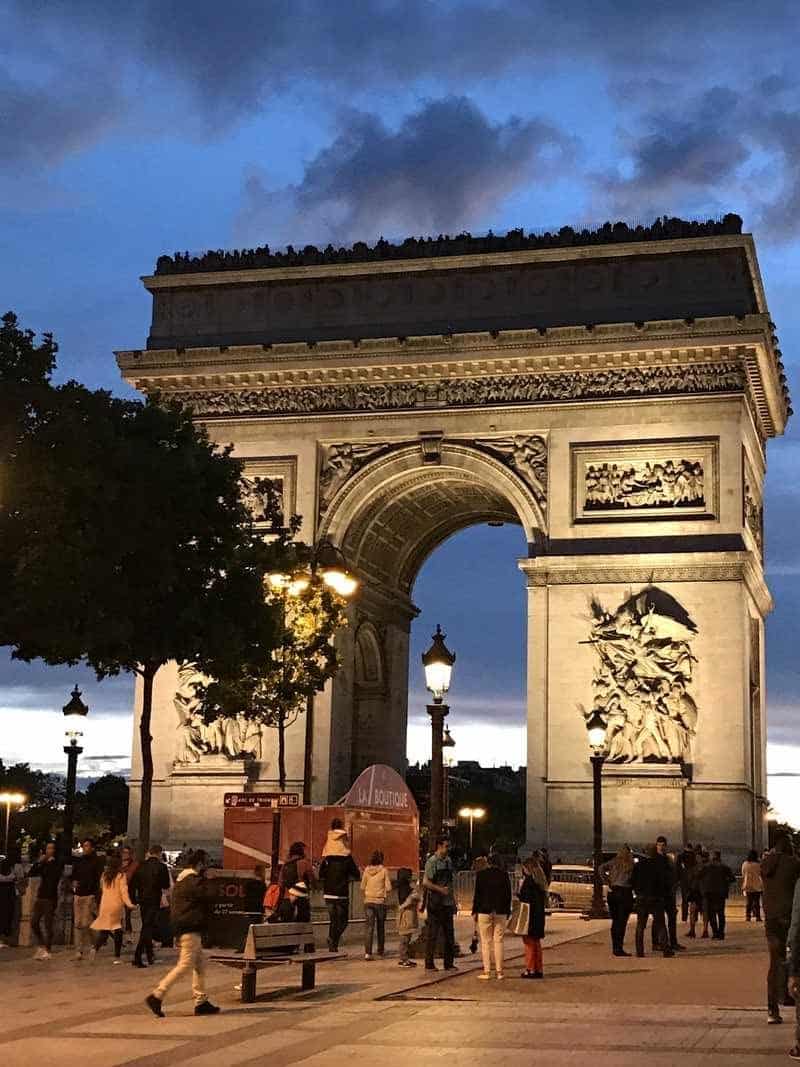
column 128, row 131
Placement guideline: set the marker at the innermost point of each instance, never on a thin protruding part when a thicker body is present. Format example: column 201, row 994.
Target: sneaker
column 484, row 977
column 451, row 967
column 794, row 1053
column 367, row 956
column 40, row 954
column 154, row 1004
column 205, row 1007
column 46, row 954
column 527, row 974
column 117, row 961
column 773, row 1018
column 500, row 977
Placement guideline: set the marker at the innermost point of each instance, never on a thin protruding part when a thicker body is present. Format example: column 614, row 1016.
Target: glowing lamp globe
column 438, row 663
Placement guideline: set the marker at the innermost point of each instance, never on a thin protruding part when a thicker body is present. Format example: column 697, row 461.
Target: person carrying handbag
column 533, row 893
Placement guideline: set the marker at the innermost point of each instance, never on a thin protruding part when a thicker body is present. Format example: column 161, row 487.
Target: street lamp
column 17, row 799
column 447, row 761
column 75, row 709
column 326, row 564
column 472, row 814
column 596, row 730
column 438, row 664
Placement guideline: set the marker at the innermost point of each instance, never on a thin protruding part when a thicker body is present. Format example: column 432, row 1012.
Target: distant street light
column 75, row 709
column 596, row 730
column 9, row 799
column 472, row 814
column 447, row 762
column 438, row 664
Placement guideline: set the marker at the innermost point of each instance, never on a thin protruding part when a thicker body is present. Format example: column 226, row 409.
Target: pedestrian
column 190, row 915
column 336, row 871
column 715, row 882
column 376, row 885
column 295, row 903
column 752, row 886
column 408, row 902
column 651, row 888
column 85, row 879
column 440, row 905
column 618, row 874
column 49, row 870
column 491, row 907
column 114, row 898
column 130, row 865
column 780, row 870
column 8, row 900
column 685, row 863
column 545, row 864
column 793, row 989
column 533, row 892
column 696, row 896
column 149, row 888
column 670, row 904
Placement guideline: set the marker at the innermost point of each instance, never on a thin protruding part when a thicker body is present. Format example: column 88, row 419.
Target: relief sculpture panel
column 642, row 681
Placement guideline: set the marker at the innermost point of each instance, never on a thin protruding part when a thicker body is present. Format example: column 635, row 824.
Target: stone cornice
column 544, row 571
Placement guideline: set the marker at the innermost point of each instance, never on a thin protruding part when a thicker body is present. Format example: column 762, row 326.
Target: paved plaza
column 706, row 1006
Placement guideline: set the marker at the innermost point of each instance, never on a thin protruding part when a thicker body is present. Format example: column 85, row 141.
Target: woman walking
column 752, row 886
column 113, row 901
column 376, row 887
column 533, row 892
column 620, row 897
column 491, row 907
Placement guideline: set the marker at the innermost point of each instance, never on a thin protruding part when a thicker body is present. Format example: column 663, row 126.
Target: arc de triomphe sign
column 614, row 399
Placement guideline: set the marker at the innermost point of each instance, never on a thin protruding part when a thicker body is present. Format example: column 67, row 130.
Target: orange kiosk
column 378, row 812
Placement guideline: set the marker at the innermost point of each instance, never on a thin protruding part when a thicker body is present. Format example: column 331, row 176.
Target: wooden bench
column 275, row 945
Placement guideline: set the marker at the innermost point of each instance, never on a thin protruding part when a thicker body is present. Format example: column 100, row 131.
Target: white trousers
column 190, row 958
column 491, row 929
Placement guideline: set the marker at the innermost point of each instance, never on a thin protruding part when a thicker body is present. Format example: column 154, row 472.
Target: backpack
column 272, row 897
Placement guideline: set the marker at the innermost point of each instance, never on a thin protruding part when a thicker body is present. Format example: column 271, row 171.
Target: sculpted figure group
column 644, row 485
column 233, row 736
column 642, row 684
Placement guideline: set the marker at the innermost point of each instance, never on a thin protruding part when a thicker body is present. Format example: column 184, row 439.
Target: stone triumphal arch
column 612, row 394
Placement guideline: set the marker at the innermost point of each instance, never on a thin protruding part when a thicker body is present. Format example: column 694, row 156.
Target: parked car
column 571, row 886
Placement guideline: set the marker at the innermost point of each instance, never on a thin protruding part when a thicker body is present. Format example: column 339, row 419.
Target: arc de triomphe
column 614, row 399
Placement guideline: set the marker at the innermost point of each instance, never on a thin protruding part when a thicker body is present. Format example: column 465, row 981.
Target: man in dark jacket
column 190, row 914
column 491, row 907
column 651, row 885
column 670, row 906
column 85, row 878
column 149, row 882
column 337, row 870
column 685, row 863
column 780, row 870
column 794, row 967
column 715, row 881
column 49, row 869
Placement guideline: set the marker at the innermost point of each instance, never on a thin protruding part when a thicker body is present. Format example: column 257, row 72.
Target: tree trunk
column 281, row 751
column 146, row 742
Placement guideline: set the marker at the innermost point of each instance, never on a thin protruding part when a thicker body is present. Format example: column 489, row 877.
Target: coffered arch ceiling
column 397, row 510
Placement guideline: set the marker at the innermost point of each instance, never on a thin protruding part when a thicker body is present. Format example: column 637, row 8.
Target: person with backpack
column 376, row 886
column 408, row 902
column 336, row 872
column 294, row 882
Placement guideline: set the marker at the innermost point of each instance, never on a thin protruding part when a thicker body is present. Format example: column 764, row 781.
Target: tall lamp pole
column 472, row 814
column 447, row 742
column 17, row 799
column 438, row 663
column 75, row 709
column 596, row 728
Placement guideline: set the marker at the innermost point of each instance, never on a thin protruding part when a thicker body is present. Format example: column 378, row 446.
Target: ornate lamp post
column 9, row 799
column 472, row 814
column 438, row 663
column 596, row 729
column 447, row 761
column 74, row 709
column 328, row 566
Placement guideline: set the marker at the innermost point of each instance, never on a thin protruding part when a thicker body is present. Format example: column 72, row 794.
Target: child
column 408, row 899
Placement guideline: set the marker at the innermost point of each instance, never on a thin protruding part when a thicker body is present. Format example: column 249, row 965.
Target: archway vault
column 393, row 513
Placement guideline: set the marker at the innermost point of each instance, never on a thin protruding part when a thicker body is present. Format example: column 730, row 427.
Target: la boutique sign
column 380, row 787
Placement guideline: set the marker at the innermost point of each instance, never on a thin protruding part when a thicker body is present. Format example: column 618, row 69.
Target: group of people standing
column 493, row 913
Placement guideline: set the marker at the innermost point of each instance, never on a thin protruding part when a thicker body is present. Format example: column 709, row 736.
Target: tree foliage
column 25, row 369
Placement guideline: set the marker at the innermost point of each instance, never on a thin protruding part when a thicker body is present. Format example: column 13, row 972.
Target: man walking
column 441, row 905
column 190, row 914
column 337, row 870
column 149, row 883
column 85, row 878
column 780, row 870
column 715, row 881
column 49, row 869
column 670, row 868
column 650, row 884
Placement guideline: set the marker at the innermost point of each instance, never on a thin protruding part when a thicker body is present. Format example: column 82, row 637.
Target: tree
column 25, row 370
column 124, row 542
column 107, row 799
column 275, row 689
column 44, row 808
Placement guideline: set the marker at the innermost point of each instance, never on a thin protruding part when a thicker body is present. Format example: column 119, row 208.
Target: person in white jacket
column 113, row 901
column 376, row 886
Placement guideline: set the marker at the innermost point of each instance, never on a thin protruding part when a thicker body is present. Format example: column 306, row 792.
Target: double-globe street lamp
column 472, row 814
column 596, row 730
column 74, row 710
column 11, row 800
column 438, row 664
column 327, row 566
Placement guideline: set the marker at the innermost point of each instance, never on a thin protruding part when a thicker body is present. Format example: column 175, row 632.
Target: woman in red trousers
column 533, row 892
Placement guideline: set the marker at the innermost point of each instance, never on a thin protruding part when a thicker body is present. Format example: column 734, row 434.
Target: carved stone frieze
column 753, row 506
column 641, row 686
column 232, row 736
column 525, row 454
column 264, row 498
column 554, row 387
column 340, row 462
column 673, row 483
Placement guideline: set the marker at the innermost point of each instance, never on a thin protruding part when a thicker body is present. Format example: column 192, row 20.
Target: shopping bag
column 519, row 919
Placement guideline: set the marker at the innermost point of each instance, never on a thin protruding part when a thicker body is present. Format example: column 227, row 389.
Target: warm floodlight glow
column 14, row 799
column 596, row 728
